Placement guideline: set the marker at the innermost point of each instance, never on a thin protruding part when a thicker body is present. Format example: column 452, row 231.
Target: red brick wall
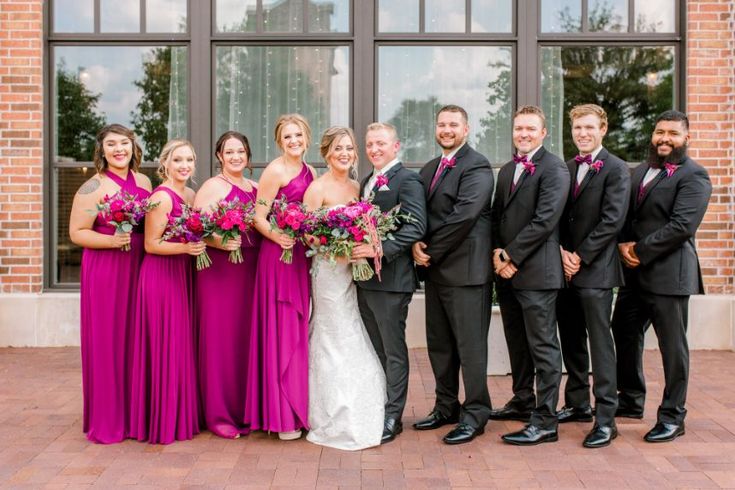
column 21, row 146
column 711, row 106
column 710, row 103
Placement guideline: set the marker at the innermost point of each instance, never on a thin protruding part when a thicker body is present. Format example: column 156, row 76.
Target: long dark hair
column 99, row 152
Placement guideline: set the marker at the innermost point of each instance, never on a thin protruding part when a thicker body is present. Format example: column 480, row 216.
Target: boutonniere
column 597, row 166
column 381, row 182
column 670, row 169
column 528, row 166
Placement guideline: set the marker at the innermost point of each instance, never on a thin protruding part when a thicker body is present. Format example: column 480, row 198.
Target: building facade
column 186, row 68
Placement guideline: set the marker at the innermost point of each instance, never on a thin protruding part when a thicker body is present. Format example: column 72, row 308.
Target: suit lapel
column 458, row 156
column 430, row 169
column 364, row 182
column 524, row 175
column 656, row 180
column 591, row 172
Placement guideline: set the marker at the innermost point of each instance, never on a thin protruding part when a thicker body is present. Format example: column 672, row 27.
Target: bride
column 346, row 381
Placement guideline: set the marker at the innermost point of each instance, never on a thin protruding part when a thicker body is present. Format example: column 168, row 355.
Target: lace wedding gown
column 346, row 381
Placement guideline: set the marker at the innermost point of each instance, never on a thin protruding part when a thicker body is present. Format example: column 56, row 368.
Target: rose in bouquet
column 289, row 218
column 124, row 211
column 191, row 226
column 231, row 219
column 338, row 230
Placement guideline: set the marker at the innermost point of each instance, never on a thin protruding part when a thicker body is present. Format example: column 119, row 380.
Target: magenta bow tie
column 670, row 168
column 583, row 159
column 521, row 159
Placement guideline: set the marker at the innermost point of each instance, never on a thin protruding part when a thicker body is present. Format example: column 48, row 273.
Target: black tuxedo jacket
column 593, row 220
column 458, row 220
column 397, row 269
column 663, row 225
column 526, row 221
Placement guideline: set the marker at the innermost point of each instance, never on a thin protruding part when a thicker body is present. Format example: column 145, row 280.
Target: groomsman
column 529, row 201
column 593, row 217
column 669, row 199
column 384, row 303
column 454, row 260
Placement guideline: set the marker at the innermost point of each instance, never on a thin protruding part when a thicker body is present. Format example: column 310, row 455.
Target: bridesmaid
column 164, row 404
column 224, row 297
column 108, row 281
column 277, row 386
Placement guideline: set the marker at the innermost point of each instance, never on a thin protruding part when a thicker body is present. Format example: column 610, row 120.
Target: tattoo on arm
column 89, row 186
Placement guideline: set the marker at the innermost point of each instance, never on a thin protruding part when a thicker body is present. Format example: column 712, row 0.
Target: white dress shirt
column 371, row 182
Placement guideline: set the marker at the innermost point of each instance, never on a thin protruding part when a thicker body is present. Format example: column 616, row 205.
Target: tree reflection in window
column 633, row 84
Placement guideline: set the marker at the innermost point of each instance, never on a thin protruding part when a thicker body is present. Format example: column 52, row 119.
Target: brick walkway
column 41, row 443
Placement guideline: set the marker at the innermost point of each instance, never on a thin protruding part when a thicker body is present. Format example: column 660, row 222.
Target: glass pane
column 165, row 16
column 74, row 15
column 144, row 88
column 561, row 15
column 608, row 15
column 398, row 16
column 120, row 15
column 633, row 84
column 256, row 84
column 236, row 15
column 283, row 15
column 655, row 16
column 444, row 16
column 492, row 16
column 68, row 255
column 415, row 81
column 329, row 15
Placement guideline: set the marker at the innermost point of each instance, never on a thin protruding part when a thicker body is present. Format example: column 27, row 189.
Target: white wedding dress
column 346, row 381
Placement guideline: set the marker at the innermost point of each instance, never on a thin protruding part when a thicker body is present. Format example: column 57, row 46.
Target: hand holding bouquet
column 231, row 219
column 290, row 219
column 124, row 211
column 191, row 226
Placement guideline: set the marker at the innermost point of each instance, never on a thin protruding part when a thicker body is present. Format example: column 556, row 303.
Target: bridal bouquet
column 124, row 211
column 290, row 218
column 230, row 219
column 191, row 226
column 338, row 230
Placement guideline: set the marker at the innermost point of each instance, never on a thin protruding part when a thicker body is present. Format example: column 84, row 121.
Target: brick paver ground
column 41, row 443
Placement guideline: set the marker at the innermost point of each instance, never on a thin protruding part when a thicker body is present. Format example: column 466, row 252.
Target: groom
column 384, row 303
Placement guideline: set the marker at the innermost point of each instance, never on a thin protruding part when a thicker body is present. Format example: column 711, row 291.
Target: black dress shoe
column 462, row 433
column 572, row 414
column 391, row 429
column 628, row 413
column 531, row 435
column 662, row 432
column 600, row 436
column 435, row 420
column 510, row 413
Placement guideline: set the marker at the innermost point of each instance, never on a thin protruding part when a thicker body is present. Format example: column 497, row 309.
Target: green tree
column 494, row 137
column 411, row 120
column 77, row 120
column 160, row 113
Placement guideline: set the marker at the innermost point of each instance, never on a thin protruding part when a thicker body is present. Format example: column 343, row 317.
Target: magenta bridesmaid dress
column 108, row 283
column 164, row 404
column 224, row 294
column 277, row 388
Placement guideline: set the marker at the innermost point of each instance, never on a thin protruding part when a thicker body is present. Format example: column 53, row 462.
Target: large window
column 186, row 68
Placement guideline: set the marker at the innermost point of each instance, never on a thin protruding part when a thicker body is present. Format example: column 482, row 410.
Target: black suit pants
column 384, row 315
column 582, row 312
column 529, row 323
column 635, row 311
column 457, row 324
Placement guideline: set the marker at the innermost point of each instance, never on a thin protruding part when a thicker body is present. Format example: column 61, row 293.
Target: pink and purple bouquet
column 124, row 211
column 230, row 219
column 338, row 230
column 191, row 226
column 289, row 218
